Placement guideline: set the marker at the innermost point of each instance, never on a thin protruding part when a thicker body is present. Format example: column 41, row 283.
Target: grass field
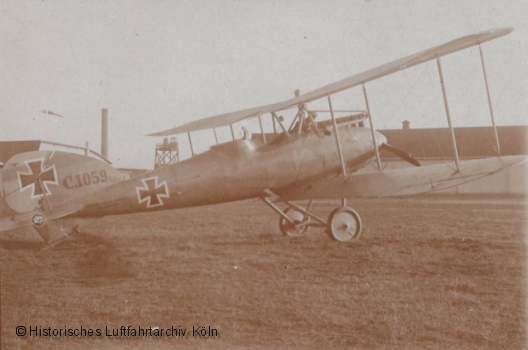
column 427, row 273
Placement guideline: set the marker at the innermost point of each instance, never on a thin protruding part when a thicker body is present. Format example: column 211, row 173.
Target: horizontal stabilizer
column 27, row 219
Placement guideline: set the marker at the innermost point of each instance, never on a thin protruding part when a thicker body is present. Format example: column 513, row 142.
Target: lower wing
column 401, row 182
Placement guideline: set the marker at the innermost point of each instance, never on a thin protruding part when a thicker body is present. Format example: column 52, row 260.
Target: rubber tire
column 297, row 217
column 338, row 218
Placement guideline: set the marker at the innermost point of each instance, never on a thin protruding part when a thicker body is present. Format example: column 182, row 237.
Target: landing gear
column 344, row 225
column 299, row 226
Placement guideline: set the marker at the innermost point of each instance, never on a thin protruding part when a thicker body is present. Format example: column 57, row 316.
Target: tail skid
column 43, row 221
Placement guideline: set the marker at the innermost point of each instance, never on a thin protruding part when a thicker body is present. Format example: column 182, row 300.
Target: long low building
column 472, row 142
column 10, row 148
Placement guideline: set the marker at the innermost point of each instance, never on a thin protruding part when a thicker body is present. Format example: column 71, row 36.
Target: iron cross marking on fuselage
column 35, row 173
column 152, row 192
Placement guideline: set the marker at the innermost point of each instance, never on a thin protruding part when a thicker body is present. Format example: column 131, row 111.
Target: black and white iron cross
column 152, row 192
column 37, row 178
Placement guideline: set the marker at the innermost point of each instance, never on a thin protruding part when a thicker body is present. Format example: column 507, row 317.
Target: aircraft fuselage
column 232, row 171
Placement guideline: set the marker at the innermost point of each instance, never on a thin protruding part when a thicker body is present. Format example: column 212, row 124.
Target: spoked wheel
column 297, row 217
column 344, row 225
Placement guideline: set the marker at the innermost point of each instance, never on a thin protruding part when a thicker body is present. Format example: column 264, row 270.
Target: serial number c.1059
column 85, row 179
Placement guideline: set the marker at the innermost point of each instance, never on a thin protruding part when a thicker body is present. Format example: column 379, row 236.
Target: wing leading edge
column 347, row 83
column 407, row 181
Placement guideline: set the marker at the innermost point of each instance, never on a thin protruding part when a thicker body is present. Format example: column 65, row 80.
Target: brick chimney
column 104, row 133
column 406, row 125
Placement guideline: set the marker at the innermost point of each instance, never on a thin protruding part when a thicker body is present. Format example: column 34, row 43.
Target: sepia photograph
column 348, row 174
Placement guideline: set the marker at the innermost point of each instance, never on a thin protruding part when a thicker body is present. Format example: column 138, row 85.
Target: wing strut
column 301, row 121
column 216, row 137
column 372, row 128
column 262, row 130
column 457, row 161
column 190, row 142
column 294, row 122
column 343, row 167
column 489, row 102
column 300, row 113
column 280, row 123
column 232, row 132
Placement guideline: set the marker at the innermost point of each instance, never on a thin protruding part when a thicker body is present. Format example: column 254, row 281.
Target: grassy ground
column 438, row 273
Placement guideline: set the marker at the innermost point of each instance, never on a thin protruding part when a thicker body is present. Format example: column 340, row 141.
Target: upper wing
column 402, row 181
column 361, row 78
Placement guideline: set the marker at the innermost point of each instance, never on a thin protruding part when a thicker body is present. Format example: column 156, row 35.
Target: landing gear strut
column 299, row 226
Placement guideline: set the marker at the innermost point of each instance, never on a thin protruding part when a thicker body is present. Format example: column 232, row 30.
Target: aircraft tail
column 38, row 188
column 5, row 210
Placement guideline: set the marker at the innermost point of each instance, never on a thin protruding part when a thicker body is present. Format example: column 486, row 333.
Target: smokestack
column 104, row 133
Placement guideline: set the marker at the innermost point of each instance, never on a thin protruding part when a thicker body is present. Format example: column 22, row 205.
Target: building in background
column 167, row 153
column 434, row 146
column 10, row 148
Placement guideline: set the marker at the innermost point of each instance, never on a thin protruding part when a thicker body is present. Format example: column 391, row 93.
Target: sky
column 159, row 64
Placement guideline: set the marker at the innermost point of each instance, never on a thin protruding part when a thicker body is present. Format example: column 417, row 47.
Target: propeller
column 399, row 153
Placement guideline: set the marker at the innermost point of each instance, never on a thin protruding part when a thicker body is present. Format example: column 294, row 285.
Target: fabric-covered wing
column 405, row 181
column 361, row 78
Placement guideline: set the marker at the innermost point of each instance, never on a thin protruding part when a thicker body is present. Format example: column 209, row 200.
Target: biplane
column 309, row 160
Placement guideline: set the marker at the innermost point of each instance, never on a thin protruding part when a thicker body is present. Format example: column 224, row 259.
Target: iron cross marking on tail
column 37, row 175
column 152, row 192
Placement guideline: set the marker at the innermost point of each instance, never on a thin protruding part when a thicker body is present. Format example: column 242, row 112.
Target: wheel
column 297, row 217
column 344, row 225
